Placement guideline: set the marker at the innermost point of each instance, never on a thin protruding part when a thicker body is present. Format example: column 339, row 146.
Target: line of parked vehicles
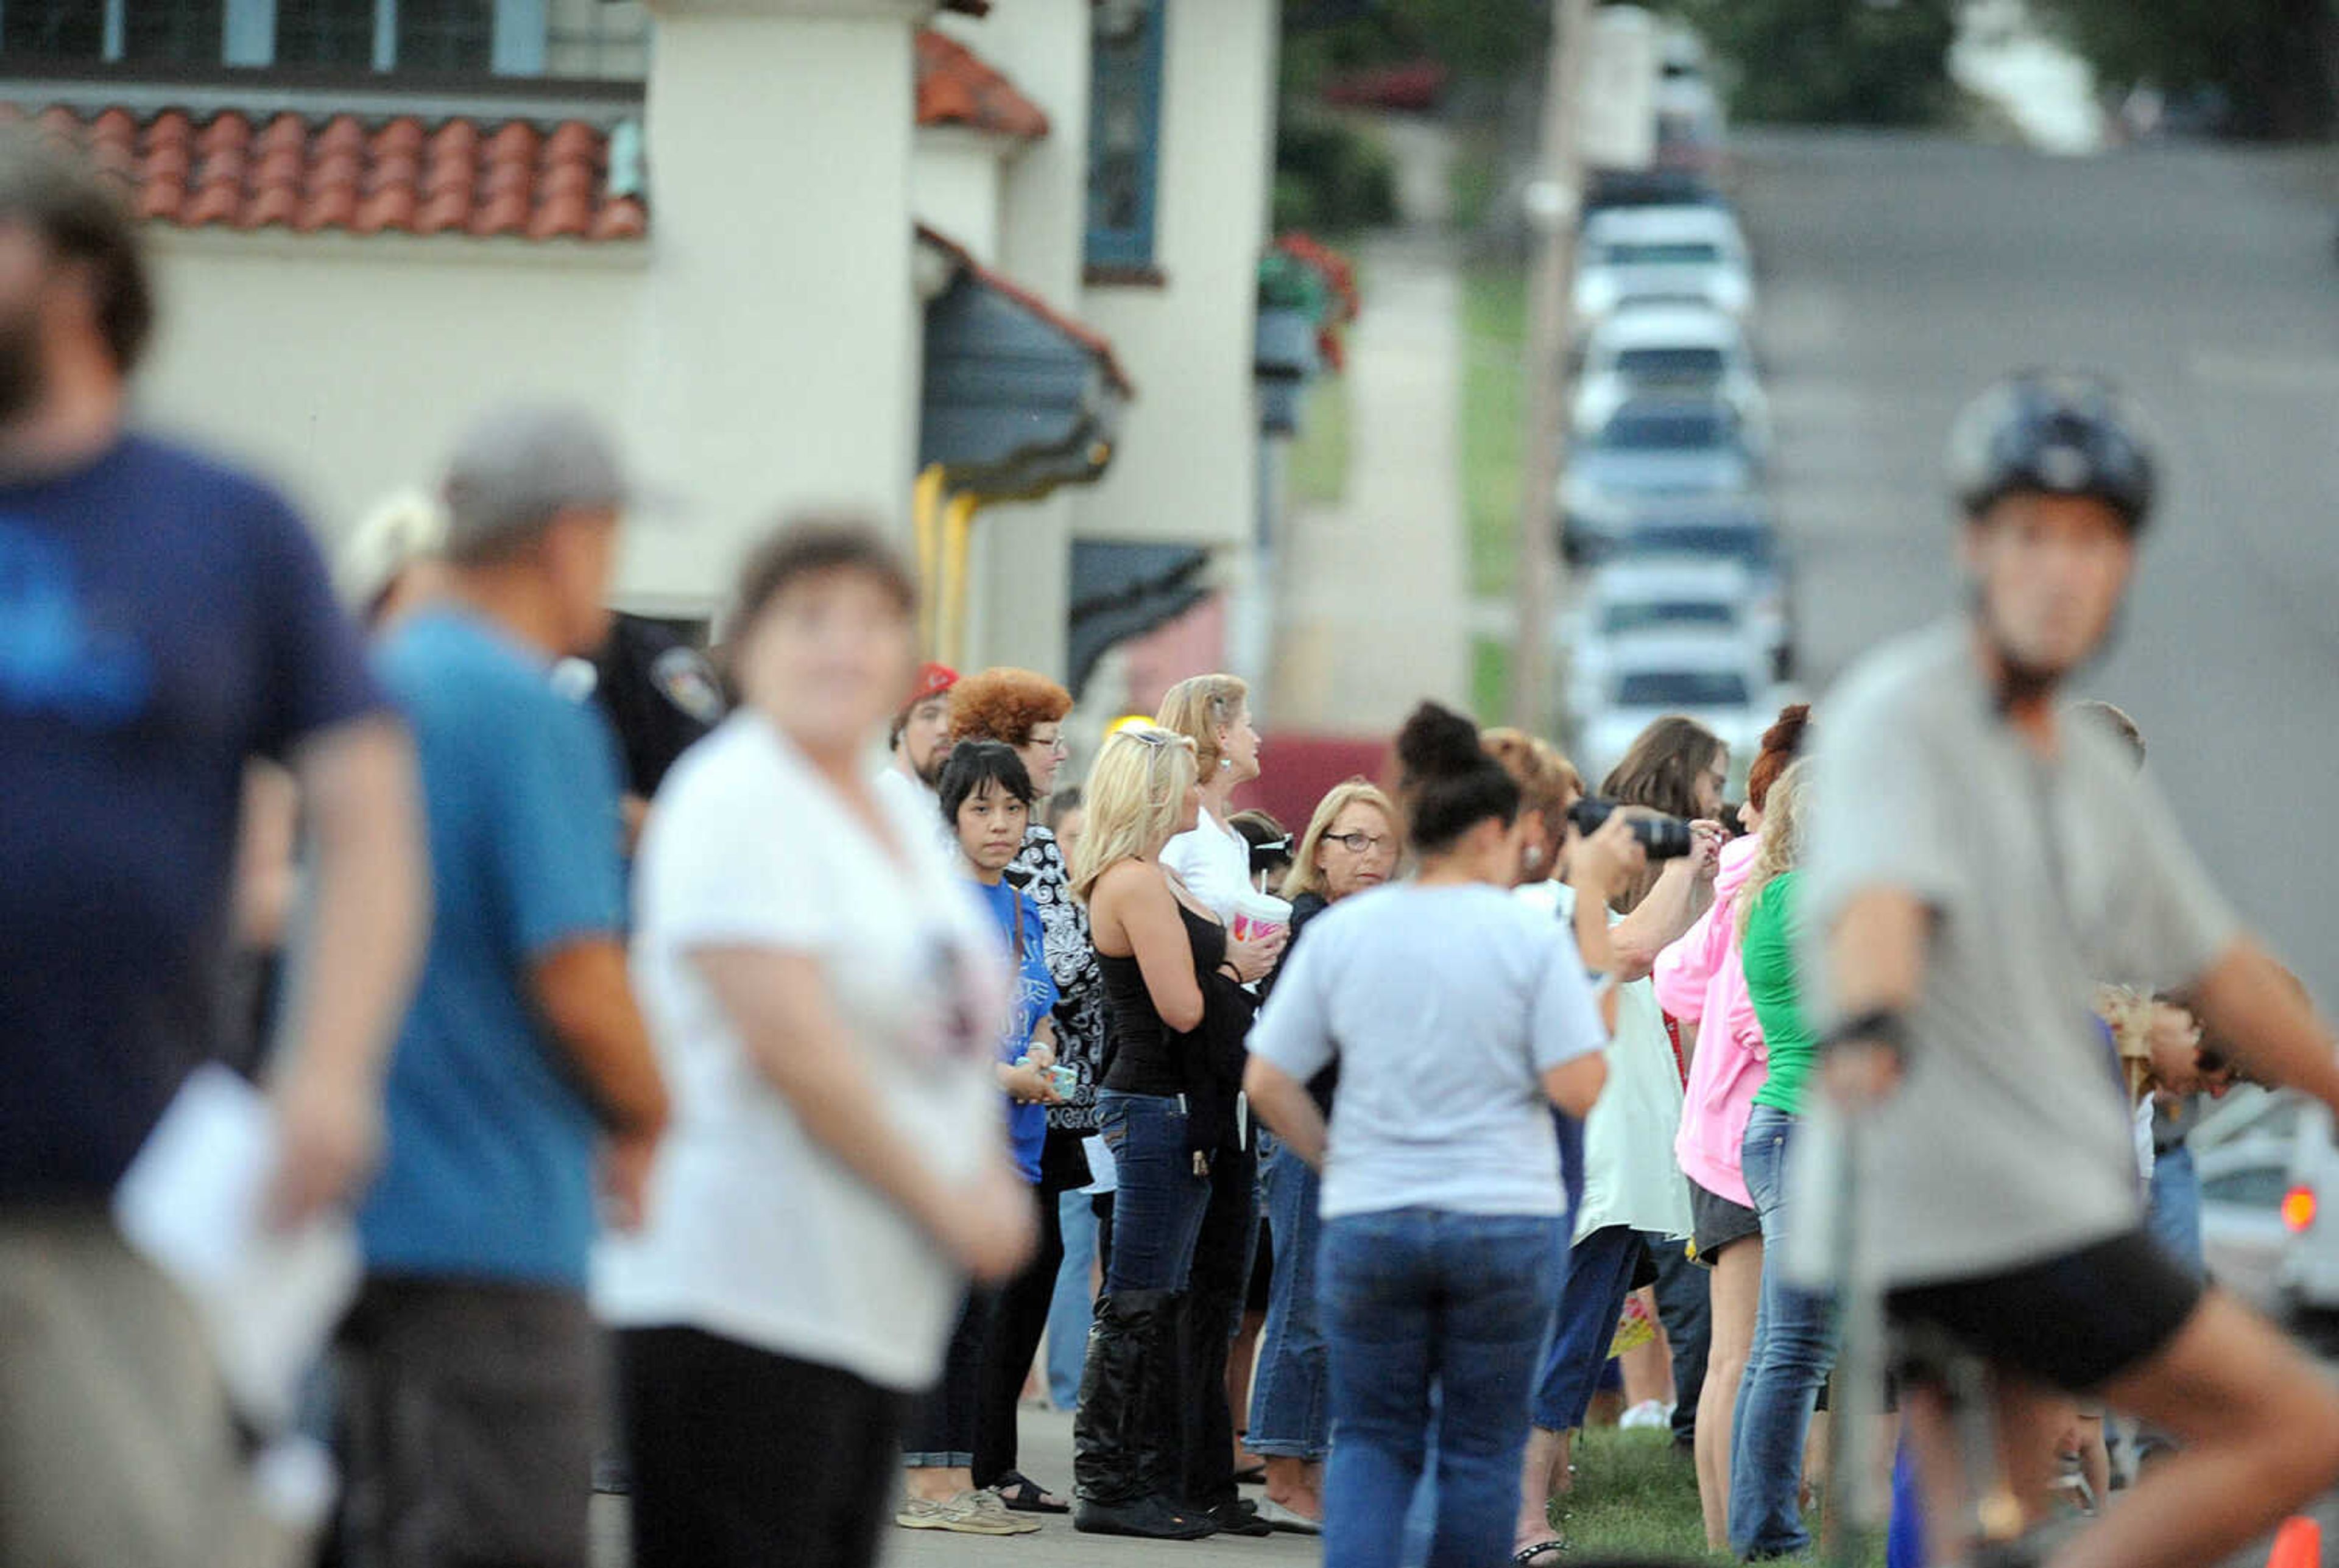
column 1684, row 594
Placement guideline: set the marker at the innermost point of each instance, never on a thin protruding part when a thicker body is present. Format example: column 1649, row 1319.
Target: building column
column 781, row 348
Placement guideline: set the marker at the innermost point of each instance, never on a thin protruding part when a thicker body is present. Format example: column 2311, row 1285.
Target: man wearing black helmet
column 1976, row 862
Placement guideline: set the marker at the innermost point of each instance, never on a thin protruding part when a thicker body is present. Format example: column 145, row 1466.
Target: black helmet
column 2060, row 432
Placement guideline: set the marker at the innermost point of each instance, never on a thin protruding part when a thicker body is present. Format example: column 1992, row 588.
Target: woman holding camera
column 1632, row 1187
column 1456, row 1021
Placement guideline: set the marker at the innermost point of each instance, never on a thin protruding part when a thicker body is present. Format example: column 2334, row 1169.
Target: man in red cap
column 921, row 737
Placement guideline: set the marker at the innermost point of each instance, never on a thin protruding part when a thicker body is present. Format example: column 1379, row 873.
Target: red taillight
column 2298, row 1210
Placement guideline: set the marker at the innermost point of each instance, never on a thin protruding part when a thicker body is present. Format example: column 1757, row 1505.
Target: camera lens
column 1665, row 837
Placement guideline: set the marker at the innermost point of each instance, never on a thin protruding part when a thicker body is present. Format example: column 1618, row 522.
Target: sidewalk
column 1047, row 1456
column 1371, row 606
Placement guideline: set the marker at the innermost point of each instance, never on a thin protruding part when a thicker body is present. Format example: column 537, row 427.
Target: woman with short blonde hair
column 1308, row 872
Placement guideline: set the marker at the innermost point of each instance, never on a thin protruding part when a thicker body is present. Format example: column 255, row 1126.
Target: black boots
column 1127, row 1439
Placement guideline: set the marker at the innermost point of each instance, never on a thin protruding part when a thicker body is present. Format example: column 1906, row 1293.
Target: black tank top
column 1143, row 1049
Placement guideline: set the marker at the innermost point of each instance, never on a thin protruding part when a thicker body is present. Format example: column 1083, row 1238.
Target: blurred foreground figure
column 163, row 620
column 470, row 1365
column 826, row 996
column 1977, row 862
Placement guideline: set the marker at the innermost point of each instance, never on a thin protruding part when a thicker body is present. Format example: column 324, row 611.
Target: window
column 180, row 31
column 1653, row 615
column 53, row 29
column 1670, row 364
column 446, row 35
column 1124, row 131
column 332, row 32
column 1666, row 429
column 1682, row 689
column 1652, row 253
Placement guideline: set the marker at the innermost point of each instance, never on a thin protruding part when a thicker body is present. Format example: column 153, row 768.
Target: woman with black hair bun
column 1458, row 1020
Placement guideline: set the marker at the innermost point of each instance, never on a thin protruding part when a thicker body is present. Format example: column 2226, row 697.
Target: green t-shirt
column 1769, row 949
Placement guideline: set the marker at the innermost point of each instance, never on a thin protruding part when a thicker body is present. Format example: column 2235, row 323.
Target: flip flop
column 1252, row 1476
column 1288, row 1520
column 1025, row 1495
column 1539, row 1550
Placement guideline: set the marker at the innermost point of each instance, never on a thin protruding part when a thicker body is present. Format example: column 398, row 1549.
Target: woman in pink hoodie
column 1701, row 985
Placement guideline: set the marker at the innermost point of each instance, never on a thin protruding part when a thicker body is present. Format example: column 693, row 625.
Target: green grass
column 1475, row 181
column 1490, row 680
column 1493, row 336
column 1319, row 453
column 1635, row 1497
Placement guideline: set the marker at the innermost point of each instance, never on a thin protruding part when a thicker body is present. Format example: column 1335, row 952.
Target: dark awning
column 1121, row 591
column 1018, row 397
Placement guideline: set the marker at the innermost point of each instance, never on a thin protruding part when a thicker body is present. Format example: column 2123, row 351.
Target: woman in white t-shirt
column 823, row 994
column 1458, row 1017
column 1213, row 860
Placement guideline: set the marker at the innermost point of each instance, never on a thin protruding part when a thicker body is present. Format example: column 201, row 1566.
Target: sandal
column 1025, row 1495
column 1539, row 1550
column 1252, row 1476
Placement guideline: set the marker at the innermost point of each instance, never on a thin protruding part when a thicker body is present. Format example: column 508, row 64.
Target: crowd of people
column 743, row 1116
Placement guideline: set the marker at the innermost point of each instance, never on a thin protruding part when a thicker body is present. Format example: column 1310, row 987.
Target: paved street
column 1901, row 273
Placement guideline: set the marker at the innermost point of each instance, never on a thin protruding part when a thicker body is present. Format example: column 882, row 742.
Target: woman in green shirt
column 1794, row 1328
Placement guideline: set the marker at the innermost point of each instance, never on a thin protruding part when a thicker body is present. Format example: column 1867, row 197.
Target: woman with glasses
column 1158, row 1112
column 1026, row 711
column 1457, row 1019
column 1352, row 845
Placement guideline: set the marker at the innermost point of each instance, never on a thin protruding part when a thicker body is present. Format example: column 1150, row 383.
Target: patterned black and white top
column 1072, row 960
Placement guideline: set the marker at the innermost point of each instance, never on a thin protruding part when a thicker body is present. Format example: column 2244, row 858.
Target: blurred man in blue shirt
column 472, row 1365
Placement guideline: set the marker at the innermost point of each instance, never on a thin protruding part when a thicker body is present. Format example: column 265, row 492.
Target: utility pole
column 1555, row 200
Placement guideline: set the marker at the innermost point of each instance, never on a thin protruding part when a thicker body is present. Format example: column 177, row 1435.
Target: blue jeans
column 1290, row 1413
column 1795, row 1339
column 2175, row 1217
column 1157, row 1212
column 1070, row 1309
column 1599, row 1277
column 1416, row 1300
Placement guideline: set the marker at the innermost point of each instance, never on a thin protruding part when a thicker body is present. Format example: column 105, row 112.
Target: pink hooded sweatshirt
column 1702, row 979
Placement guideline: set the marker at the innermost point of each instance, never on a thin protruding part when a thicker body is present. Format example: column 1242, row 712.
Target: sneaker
column 1647, row 1416
column 961, row 1515
column 994, row 1507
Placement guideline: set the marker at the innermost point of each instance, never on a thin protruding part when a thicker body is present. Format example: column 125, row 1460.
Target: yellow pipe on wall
column 925, row 500
column 958, row 534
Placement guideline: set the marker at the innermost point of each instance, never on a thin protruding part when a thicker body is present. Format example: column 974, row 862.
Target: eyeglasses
column 1356, row 842
column 1055, row 743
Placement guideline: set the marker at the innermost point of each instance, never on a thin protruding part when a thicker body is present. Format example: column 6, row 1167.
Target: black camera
column 1665, row 837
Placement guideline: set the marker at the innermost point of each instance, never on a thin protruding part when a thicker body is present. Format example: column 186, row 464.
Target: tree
column 1834, row 62
column 2271, row 60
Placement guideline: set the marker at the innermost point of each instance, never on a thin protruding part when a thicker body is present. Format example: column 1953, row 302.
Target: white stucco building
column 702, row 220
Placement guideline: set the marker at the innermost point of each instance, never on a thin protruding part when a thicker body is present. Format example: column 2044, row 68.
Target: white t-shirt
column 911, row 798
column 1214, row 861
column 1444, row 1007
column 754, row 1232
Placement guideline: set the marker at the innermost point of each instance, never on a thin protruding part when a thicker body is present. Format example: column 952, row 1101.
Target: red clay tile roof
column 1079, row 331
column 461, row 176
column 956, row 87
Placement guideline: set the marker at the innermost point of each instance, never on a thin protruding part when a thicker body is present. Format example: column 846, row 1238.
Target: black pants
column 1216, row 1289
column 1018, row 1316
column 938, row 1434
column 468, row 1414
column 744, row 1458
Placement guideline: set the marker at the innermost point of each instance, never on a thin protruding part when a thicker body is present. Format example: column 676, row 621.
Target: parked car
column 1651, row 453
column 1671, row 350
column 2243, row 1151
column 2307, row 1279
column 1719, row 681
column 1738, row 528
column 1680, row 594
column 1648, row 255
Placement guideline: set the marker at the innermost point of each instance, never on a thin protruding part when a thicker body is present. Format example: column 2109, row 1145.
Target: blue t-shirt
column 489, row 1170
column 163, row 619
column 1034, row 998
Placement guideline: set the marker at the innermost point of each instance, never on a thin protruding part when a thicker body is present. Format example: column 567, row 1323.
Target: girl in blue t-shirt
column 986, row 802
